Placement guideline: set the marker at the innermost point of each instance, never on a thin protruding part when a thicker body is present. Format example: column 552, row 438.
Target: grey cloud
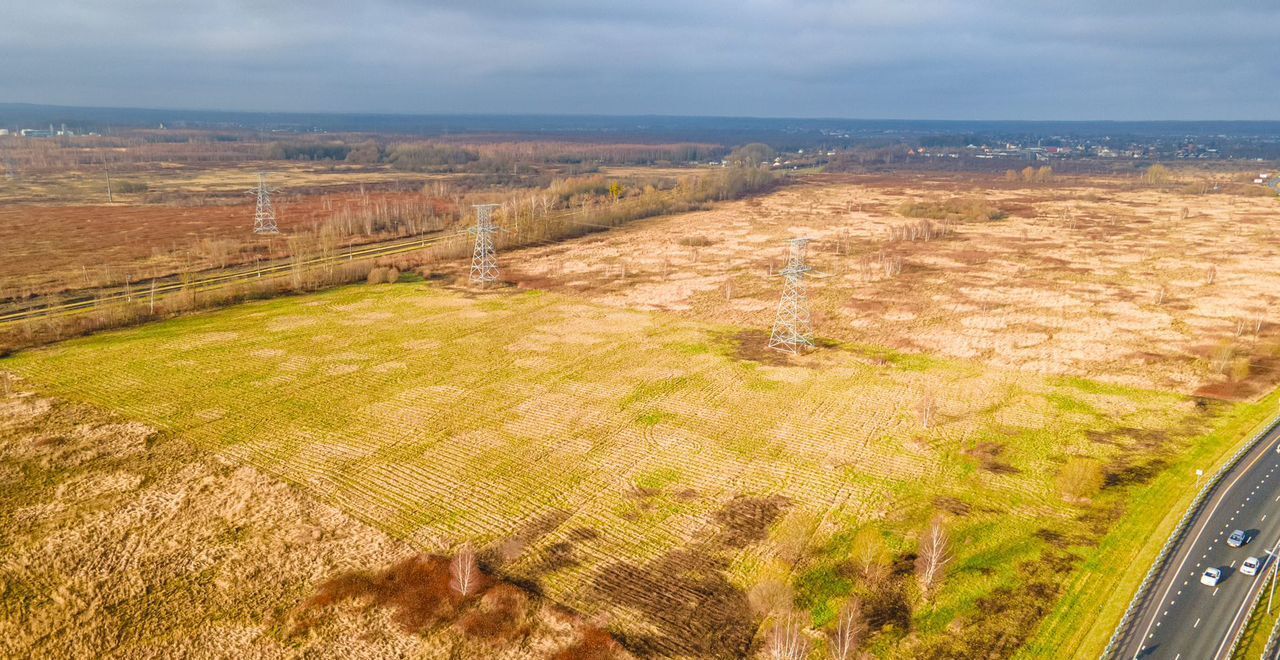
column 866, row 58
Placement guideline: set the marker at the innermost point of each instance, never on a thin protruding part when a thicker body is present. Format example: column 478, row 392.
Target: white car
column 1250, row 566
column 1211, row 577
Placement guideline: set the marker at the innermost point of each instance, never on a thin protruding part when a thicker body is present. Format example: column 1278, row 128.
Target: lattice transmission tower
column 484, row 258
column 264, row 217
column 793, row 327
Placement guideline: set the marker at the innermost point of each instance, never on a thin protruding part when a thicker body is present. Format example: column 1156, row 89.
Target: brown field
column 126, row 542
column 67, row 246
column 1103, row 278
column 194, row 183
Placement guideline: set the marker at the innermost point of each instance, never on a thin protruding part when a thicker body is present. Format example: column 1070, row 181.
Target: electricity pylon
column 793, row 327
column 264, row 217
column 484, row 258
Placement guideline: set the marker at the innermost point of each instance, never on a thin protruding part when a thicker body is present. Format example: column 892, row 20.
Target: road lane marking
column 1207, row 515
column 1197, row 624
column 1215, row 590
column 1251, row 596
column 1233, row 563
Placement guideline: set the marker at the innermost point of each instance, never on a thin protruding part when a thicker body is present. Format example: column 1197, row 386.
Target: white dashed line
column 1197, row 624
column 1215, row 591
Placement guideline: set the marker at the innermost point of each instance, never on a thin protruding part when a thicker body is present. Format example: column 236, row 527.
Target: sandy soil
column 1091, row 277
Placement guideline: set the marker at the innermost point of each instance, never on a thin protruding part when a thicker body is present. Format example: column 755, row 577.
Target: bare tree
column 1222, row 355
column 787, row 640
column 934, row 555
column 843, row 642
column 464, row 576
column 926, row 408
column 869, row 553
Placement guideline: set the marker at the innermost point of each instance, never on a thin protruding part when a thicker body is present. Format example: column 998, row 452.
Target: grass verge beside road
column 1096, row 598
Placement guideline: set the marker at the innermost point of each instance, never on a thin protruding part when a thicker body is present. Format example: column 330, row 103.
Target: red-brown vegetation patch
column 595, row 644
column 989, row 457
column 415, row 589
column 498, row 615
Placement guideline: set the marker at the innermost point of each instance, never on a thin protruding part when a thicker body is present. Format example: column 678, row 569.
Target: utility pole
column 484, row 258
column 264, row 216
column 110, row 200
column 793, row 327
column 1273, row 562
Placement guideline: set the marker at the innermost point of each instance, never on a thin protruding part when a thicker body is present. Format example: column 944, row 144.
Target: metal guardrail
column 1273, row 643
column 1272, row 562
column 1206, row 492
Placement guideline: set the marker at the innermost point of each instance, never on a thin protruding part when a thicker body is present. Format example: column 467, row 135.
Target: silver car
column 1250, row 566
column 1237, row 538
column 1211, row 577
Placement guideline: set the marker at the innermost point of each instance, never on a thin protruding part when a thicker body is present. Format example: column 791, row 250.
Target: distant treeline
column 495, row 157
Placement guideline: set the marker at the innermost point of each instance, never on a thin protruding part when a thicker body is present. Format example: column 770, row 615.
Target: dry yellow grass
column 120, row 541
column 631, row 463
column 1084, row 277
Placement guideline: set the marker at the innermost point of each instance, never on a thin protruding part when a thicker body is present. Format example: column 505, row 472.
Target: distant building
column 4, row 131
column 35, row 133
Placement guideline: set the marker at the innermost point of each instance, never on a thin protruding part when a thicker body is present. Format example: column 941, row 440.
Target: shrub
column 425, row 157
column 1080, row 479
column 769, row 596
column 961, row 208
column 129, row 186
column 1156, row 174
column 367, row 152
column 752, row 154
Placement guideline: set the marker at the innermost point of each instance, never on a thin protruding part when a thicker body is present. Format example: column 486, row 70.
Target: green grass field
column 648, row 469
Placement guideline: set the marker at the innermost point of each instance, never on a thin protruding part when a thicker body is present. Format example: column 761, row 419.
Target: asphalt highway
column 1184, row 619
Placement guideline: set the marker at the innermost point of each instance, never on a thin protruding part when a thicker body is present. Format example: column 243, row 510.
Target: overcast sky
column 941, row 59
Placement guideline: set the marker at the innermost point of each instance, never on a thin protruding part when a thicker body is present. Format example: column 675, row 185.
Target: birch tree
column 464, row 576
column 787, row 640
column 843, row 641
column 932, row 560
column 926, row 408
